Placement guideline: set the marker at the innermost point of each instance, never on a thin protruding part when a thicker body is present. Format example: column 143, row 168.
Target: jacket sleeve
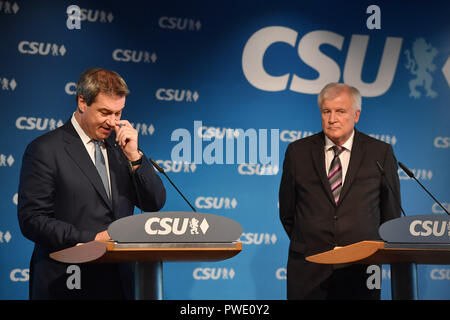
column 36, row 196
column 286, row 194
column 390, row 200
column 151, row 191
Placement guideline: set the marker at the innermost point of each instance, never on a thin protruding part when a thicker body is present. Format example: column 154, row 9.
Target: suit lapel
column 76, row 150
column 356, row 157
column 318, row 155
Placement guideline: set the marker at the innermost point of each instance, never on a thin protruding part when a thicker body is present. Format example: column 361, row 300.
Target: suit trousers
column 346, row 283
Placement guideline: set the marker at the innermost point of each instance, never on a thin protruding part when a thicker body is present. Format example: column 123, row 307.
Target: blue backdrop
column 247, row 65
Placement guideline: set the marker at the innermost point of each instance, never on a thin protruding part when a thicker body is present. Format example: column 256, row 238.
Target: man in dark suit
column 332, row 194
column 75, row 181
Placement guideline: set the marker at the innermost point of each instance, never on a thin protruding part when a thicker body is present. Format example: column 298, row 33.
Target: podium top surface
column 379, row 252
column 110, row 251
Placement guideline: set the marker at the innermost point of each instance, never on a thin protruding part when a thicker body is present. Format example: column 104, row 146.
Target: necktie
column 335, row 173
column 101, row 167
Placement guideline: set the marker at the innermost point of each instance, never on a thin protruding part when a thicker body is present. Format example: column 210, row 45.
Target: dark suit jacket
column 313, row 222
column 62, row 202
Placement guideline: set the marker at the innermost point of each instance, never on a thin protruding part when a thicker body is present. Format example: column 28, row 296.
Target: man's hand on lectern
column 102, row 236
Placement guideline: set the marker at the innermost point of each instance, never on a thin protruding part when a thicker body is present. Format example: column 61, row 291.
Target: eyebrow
column 109, row 111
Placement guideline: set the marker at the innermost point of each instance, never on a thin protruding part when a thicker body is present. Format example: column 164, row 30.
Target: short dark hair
column 96, row 80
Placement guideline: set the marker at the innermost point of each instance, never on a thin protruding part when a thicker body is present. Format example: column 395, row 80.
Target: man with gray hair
column 332, row 194
column 78, row 179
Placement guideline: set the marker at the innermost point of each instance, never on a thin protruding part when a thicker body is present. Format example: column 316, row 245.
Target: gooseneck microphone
column 411, row 175
column 383, row 173
column 161, row 170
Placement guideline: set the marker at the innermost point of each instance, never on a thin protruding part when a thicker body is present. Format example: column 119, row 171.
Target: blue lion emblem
column 421, row 65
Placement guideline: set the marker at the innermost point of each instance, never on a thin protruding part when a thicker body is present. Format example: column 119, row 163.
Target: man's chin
column 103, row 133
column 333, row 134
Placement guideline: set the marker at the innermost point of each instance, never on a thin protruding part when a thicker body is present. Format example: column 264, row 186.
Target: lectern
column 152, row 238
column 411, row 240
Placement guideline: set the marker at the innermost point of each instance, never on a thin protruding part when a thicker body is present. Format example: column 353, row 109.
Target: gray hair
column 333, row 89
column 96, row 80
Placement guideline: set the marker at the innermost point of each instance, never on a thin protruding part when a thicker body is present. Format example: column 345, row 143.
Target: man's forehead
column 112, row 103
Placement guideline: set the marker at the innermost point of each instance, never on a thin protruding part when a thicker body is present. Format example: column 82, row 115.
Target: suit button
column 335, row 217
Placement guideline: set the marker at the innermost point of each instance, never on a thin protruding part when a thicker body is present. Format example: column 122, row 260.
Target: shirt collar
column 347, row 145
column 84, row 137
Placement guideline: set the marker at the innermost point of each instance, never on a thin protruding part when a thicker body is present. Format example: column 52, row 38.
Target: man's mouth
column 107, row 129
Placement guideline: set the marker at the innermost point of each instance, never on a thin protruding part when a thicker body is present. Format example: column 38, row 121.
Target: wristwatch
column 139, row 161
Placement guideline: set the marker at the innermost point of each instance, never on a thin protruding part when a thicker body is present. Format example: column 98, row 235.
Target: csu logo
column 5, row 237
column 70, row 88
column 6, row 160
column 176, row 166
column 281, row 274
column 215, row 203
column 435, row 208
column 428, row 227
column 8, row 84
column 94, row 15
column 32, row 123
column 213, row 273
column 41, row 48
column 385, row 137
column 258, row 169
column 21, row 275
column 309, row 52
column 144, row 128
column 258, row 238
column 176, row 95
column 442, row 142
column 217, row 133
column 440, row 274
column 173, row 23
column 422, row 174
column 126, row 55
column 292, row 135
column 166, row 226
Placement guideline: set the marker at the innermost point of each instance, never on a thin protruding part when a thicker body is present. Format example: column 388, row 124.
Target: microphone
column 383, row 173
column 411, row 175
column 161, row 170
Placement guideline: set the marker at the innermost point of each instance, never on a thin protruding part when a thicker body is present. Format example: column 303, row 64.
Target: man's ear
column 82, row 105
column 357, row 114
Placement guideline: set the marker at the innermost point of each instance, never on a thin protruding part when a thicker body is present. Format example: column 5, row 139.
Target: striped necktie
column 101, row 166
column 335, row 173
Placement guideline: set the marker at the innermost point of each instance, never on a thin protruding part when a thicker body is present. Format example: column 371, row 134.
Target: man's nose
column 111, row 121
column 332, row 117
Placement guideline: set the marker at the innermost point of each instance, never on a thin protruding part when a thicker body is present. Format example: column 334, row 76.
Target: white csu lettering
column 309, row 52
column 428, row 227
column 128, row 55
column 168, row 225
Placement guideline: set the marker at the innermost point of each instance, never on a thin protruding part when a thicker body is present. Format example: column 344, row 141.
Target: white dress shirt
column 344, row 156
column 90, row 147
